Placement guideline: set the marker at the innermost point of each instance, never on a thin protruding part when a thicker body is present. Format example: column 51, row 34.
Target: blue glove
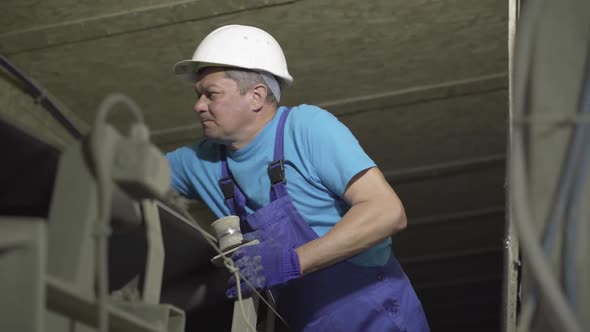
column 264, row 265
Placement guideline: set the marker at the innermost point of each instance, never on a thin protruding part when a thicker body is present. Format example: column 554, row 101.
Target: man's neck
column 265, row 115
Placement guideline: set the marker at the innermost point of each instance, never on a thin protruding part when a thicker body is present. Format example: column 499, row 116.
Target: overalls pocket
column 358, row 314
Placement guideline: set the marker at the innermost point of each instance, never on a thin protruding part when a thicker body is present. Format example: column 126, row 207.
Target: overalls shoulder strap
column 276, row 169
column 235, row 200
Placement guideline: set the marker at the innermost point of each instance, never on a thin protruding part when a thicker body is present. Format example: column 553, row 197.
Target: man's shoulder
column 201, row 149
column 310, row 115
column 308, row 110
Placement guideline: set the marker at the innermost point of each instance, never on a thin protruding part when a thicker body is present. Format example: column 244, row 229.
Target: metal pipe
column 40, row 97
column 511, row 257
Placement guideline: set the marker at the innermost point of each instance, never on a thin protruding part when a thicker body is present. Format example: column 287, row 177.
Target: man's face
column 223, row 111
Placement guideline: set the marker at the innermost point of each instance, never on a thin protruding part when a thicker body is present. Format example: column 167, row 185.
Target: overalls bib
column 342, row 297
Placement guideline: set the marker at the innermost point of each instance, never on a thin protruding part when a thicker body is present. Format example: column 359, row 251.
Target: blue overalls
column 342, row 297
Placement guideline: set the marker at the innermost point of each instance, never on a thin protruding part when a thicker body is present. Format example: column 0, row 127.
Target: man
column 301, row 184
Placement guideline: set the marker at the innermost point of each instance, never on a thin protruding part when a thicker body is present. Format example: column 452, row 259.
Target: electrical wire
column 227, row 261
column 40, row 97
column 184, row 218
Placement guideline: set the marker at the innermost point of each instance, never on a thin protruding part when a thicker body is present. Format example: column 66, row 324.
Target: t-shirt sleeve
column 334, row 151
column 178, row 161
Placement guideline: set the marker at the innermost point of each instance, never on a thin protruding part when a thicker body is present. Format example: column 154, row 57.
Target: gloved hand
column 264, row 265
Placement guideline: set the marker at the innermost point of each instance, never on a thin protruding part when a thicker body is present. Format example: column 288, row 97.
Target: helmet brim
column 188, row 69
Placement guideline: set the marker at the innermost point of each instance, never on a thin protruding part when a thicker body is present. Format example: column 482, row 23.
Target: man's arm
column 376, row 213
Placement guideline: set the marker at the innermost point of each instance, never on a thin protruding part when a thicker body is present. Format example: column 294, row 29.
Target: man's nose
column 201, row 105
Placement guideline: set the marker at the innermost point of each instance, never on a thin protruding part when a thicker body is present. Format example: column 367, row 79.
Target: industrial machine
column 55, row 265
column 90, row 235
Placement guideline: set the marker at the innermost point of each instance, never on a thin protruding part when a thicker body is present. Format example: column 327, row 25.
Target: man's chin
column 208, row 132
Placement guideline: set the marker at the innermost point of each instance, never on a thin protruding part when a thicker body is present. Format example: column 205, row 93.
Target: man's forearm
column 363, row 226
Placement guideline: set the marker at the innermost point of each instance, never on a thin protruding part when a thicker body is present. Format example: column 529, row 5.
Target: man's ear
column 259, row 93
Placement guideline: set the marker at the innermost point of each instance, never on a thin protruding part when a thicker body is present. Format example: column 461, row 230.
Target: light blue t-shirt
column 321, row 157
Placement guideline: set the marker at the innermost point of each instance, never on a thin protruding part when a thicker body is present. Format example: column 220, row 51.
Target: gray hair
column 246, row 79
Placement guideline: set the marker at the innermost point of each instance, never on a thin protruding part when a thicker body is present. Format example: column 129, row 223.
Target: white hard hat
column 238, row 46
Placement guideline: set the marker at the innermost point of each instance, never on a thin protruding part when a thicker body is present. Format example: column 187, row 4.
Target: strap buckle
column 276, row 171
column 227, row 187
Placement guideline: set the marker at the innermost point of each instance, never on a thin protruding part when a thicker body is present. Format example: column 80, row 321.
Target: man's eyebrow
column 212, row 85
column 205, row 87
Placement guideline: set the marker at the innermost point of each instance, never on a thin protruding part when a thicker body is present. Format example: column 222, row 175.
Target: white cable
column 240, row 300
column 227, row 262
column 192, row 223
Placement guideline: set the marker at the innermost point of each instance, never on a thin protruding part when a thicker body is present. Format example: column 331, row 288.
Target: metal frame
column 22, row 270
column 510, row 284
column 48, row 270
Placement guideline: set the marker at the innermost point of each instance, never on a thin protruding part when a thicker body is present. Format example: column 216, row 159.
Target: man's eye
column 210, row 94
column 207, row 94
